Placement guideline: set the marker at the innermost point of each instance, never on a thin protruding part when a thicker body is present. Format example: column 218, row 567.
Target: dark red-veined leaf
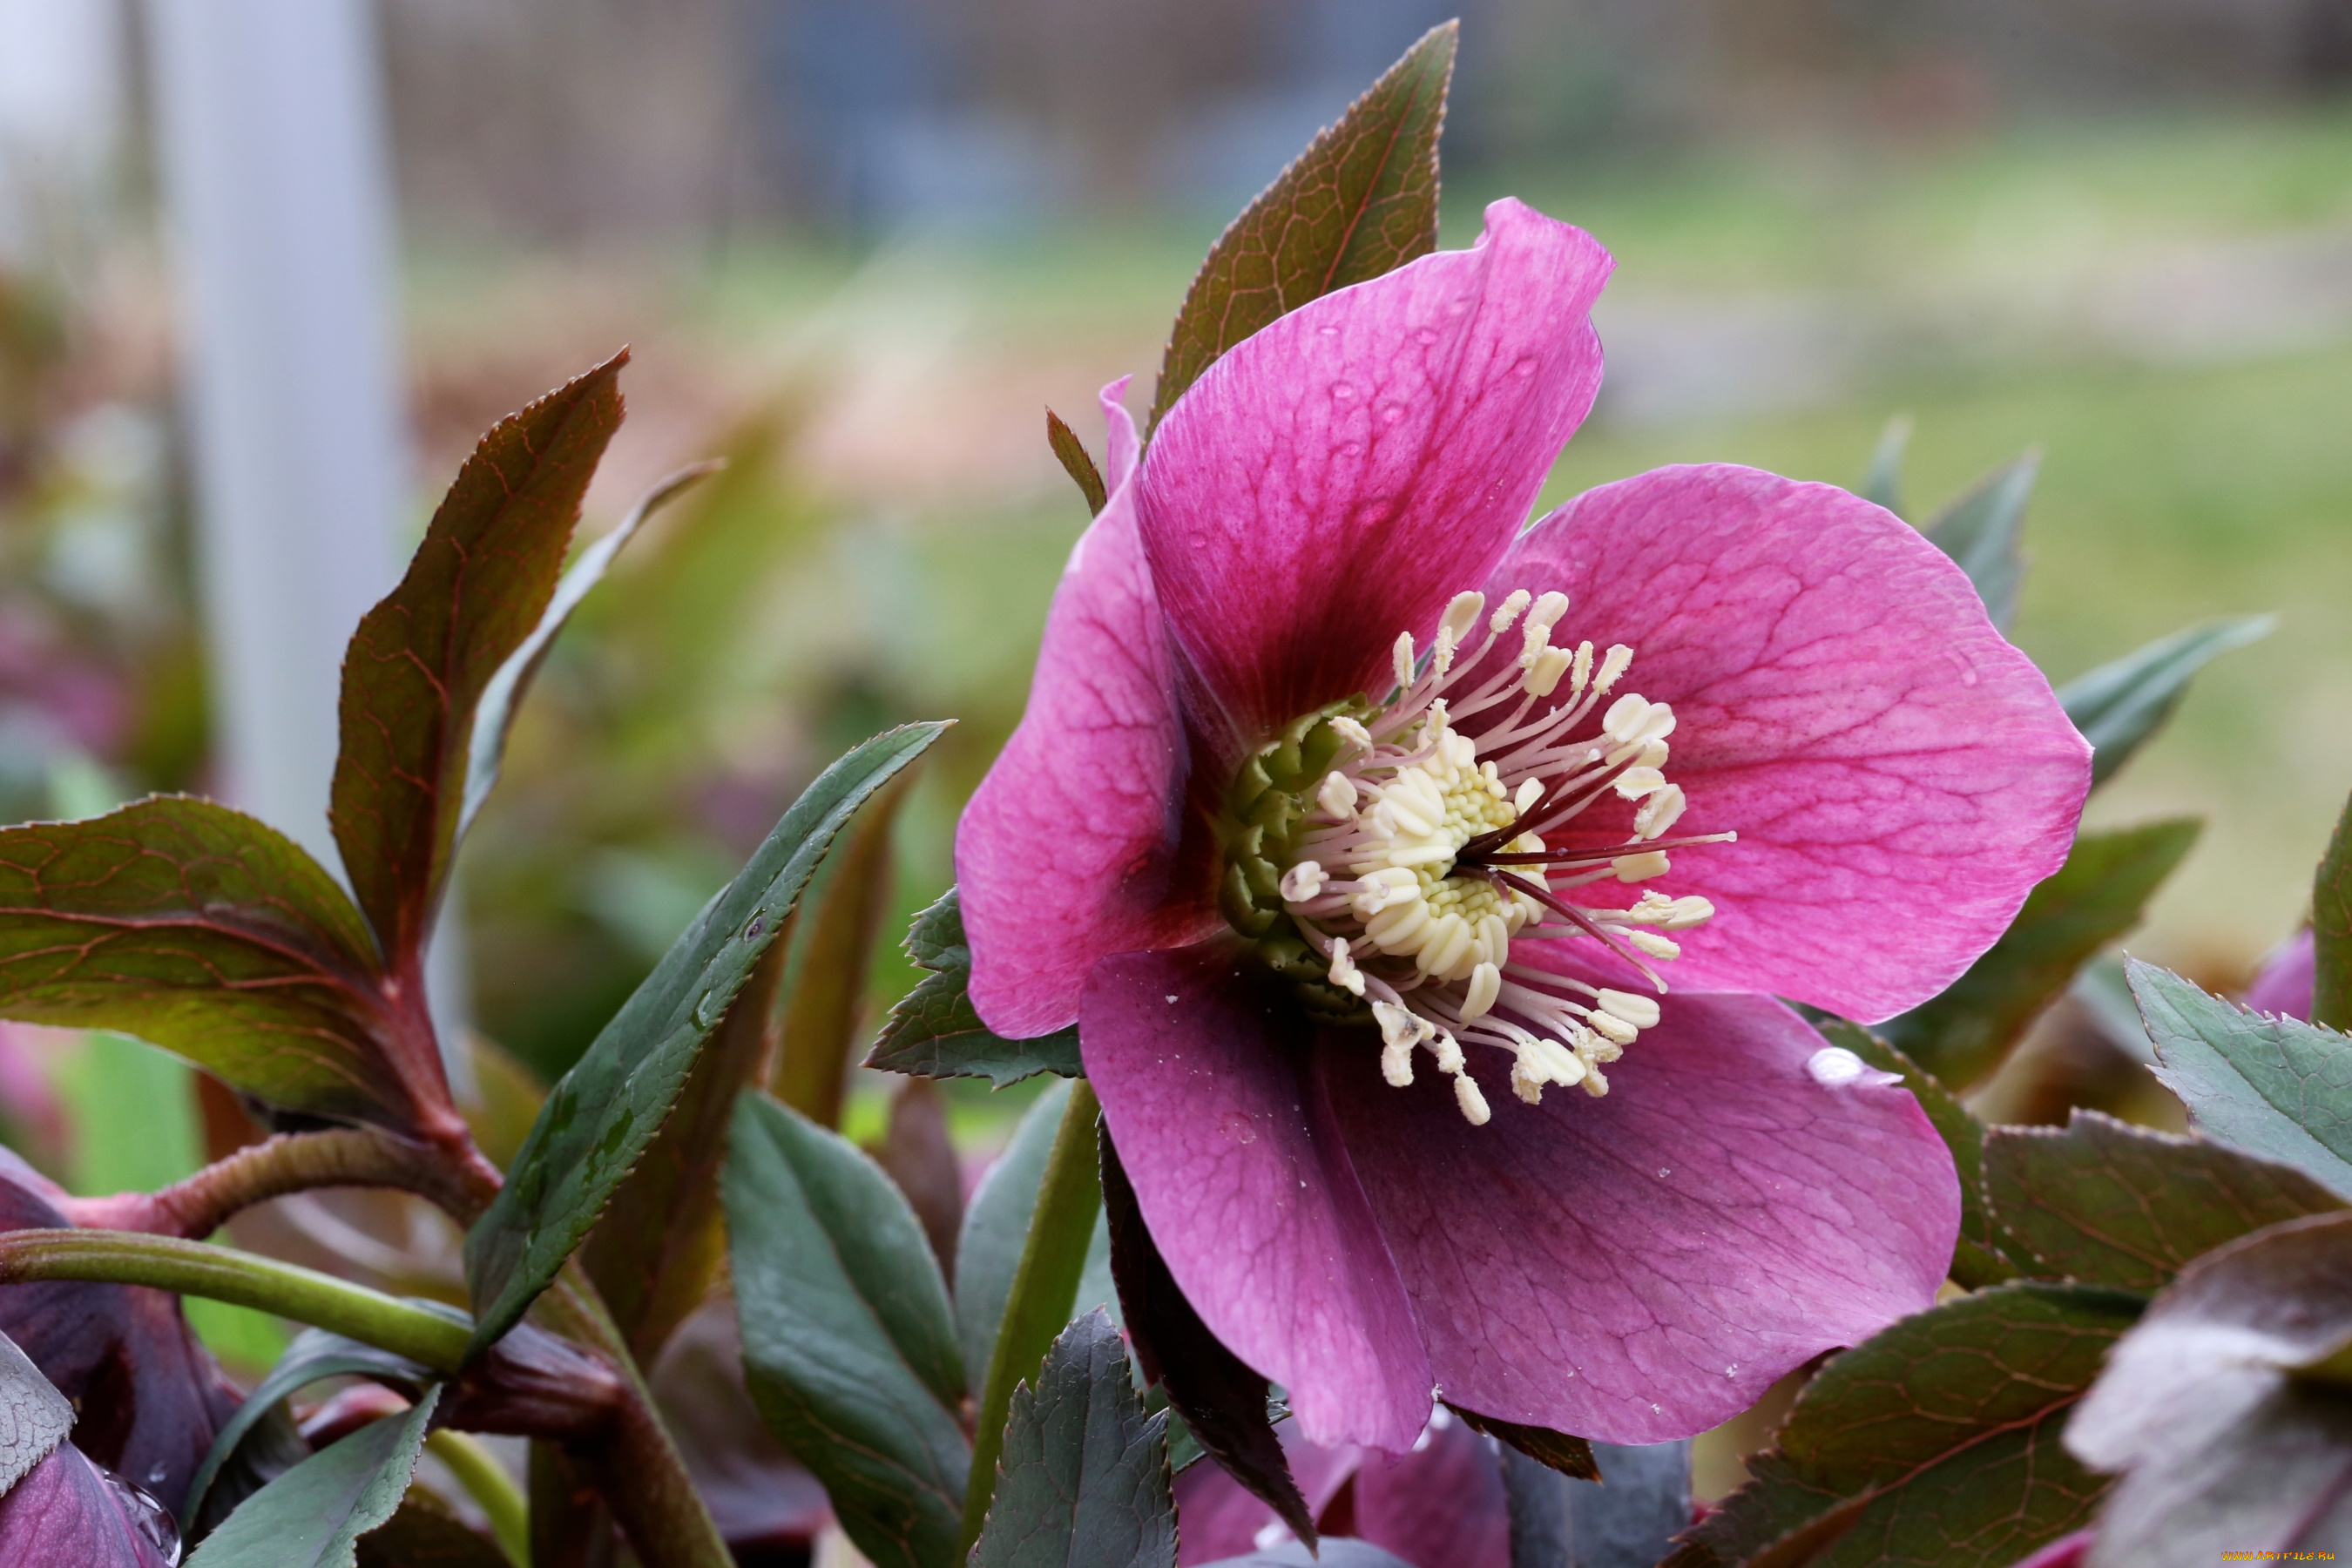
column 1361, row 201
column 1076, row 462
column 418, row 665
column 1935, row 1442
column 2109, row 1203
column 2228, row 1411
column 494, row 712
column 209, row 933
column 2095, row 897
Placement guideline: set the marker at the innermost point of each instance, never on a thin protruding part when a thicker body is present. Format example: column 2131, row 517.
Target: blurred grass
column 929, row 523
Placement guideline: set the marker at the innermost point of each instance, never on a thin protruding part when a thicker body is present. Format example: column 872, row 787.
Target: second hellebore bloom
column 1346, row 820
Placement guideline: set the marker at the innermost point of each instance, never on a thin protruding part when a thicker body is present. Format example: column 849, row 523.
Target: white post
column 271, row 125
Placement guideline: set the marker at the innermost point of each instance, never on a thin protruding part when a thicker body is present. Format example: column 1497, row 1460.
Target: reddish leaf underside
column 211, row 934
column 417, row 665
column 1361, row 201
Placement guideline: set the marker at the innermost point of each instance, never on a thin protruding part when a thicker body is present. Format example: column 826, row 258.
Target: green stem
column 1044, row 1289
column 193, row 1268
column 633, row 1465
column 486, row 1482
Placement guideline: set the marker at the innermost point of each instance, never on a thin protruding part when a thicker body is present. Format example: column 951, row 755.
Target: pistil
column 1409, row 856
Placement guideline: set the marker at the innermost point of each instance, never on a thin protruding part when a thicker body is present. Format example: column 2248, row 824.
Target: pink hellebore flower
column 1327, row 949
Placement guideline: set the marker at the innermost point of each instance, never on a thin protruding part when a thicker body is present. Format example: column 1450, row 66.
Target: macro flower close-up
column 1421, row 888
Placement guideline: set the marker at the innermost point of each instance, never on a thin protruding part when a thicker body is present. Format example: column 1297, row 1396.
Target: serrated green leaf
column 494, row 714
column 315, row 1354
column 1935, row 1442
column 659, row 1244
column 935, row 1032
column 313, row 1515
column 2119, row 705
column 1083, row 1477
column 33, row 1416
column 599, row 1118
column 849, row 1346
column 1882, row 483
column 988, row 1249
column 421, row 659
column 1979, row 1255
column 2106, row 1202
column 2278, row 1087
column 2331, row 928
column 206, row 931
column 1076, row 462
column 1980, row 530
column 2224, row 1442
column 2099, row 894
column 1361, row 201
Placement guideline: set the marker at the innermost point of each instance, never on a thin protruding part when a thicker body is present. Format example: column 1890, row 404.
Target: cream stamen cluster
column 1423, row 856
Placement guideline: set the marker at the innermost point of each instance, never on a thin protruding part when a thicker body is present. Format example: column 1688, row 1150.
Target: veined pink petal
column 1439, row 1506
column 1334, row 480
column 1216, row 1517
column 1200, row 1063
column 1643, row 1266
column 1898, row 776
column 1073, row 846
column 2284, row 987
column 1123, row 447
column 64, row 1512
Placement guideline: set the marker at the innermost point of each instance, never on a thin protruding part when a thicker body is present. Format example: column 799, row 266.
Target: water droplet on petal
column 1835, row 1066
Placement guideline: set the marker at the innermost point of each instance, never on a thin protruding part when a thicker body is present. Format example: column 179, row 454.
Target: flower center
column 1385, row 860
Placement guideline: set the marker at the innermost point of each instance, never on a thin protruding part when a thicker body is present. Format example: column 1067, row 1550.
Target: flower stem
column 193, row 1268
column 486, row 1482
column 1044, row 1287
column 633, row 1465
column 294, row 1162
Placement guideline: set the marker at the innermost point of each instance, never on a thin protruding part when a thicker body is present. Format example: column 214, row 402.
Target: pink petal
column 1334, row 480
column 1643, row 1266
column 1124, row 446
column 1200, row 1063
column 1899, row 776
column 1073, row 846
column 1217, row 1517
column 63, row 1513
column 2284, row 987
column 1440, row 1506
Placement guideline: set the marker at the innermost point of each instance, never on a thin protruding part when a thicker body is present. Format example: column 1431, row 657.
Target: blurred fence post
column 270, row 121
